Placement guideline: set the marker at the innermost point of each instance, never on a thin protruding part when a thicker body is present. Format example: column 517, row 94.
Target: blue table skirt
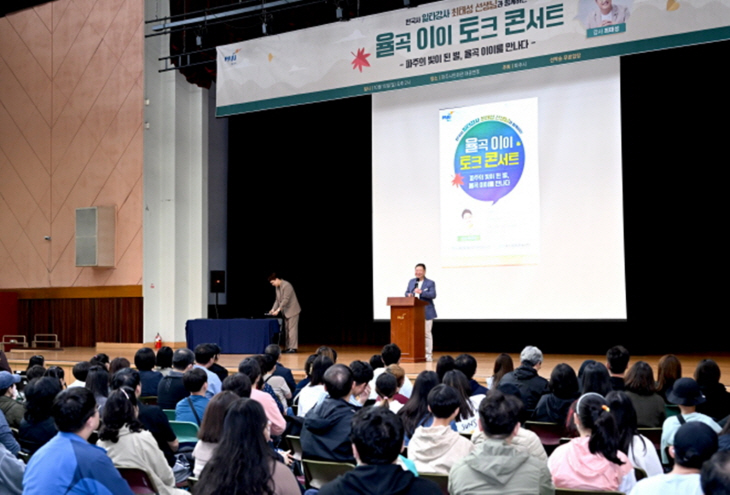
column 239, row 336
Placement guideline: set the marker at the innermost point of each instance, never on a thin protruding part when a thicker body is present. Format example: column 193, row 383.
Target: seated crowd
column 480, row 437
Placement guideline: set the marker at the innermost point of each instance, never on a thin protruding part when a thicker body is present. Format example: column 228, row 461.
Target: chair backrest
column 671, row 410
column 654, row 435
column 184, row 431
column 296, row 446
column 640, row 474
column 319, row 473
column 138, row 479
column 577, row 491
column 550, row 433
column 170, row 413
column 442, row 480
column 150, row 400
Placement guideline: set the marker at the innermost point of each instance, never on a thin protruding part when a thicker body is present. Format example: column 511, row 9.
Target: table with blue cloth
column 240, row 336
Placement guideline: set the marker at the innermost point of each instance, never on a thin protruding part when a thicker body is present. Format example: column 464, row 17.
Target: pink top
column 572, row 465
column 278, row 424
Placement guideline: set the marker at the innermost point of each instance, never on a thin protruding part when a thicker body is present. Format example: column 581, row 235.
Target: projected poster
column 490, row 195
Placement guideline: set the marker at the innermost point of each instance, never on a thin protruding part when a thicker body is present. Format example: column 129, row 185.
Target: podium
column 408, row 327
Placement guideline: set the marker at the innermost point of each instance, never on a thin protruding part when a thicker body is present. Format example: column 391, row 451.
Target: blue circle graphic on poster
column 489, row 159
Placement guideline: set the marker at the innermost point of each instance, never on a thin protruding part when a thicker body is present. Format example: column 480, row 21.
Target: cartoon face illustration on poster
column 489, row 158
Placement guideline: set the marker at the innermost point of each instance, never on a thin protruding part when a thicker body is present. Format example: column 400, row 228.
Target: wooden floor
column 67, row 357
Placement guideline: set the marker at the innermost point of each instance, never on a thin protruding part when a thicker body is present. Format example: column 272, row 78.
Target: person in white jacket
column 436, row 448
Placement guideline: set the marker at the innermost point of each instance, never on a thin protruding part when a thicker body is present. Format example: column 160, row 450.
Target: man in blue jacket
column 68, row 463
column 425, row 290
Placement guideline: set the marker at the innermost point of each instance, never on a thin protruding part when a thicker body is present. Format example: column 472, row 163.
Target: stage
column 66, row 358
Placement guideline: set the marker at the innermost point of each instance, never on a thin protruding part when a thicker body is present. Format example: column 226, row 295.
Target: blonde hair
column 398, row 373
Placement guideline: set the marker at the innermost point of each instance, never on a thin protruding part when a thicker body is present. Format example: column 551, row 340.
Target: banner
column 451, row 40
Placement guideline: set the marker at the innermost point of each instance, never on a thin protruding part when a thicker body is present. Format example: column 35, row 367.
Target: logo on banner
column 231, row 59
column 489, row 158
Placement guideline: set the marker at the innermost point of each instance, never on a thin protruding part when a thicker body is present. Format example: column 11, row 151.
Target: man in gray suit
column 287, row 304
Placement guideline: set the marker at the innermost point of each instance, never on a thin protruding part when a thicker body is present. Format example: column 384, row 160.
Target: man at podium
column 424, row 289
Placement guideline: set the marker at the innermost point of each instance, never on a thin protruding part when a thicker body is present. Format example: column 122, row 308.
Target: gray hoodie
column 497, row 468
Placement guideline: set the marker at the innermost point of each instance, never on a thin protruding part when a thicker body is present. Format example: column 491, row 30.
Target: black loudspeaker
column 217, row 281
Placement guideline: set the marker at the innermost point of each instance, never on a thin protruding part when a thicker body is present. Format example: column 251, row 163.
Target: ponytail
column 595, row 415
column 385, row 387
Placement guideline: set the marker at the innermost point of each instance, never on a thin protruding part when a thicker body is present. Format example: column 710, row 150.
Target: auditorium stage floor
column 345, row 354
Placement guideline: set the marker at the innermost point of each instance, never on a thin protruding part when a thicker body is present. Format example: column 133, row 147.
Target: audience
column 38, row 426
column 386, row 386
column 376, row 361
column 531, row 385
column 7, row 439
column 717, row 398
column 312, row 393
column 362, row 373
column 307, row 376
column 35, row 371
column 11, row 408
column 97, row 381
column 79, row 371
column 468, row 365
column 102, row 359
column 171, row 389
column 415, row 413
column 326, row 430
column 391, row 355
column 205, row 355
column 694, row 443
column 592, row 461
column 640, row 388
column 234, row 453
column 250, row 367
column 274, row 351
column 377, row 439
column 11, row 473
column 274, row 385
column 128, row 444
column 400, row 376
column 617, row 360
column 466, row 420
column 639, row 449
column 436, row 448
column 118, row 363
column 715, row 474
column 216, row 368
column 144, row 360
column 163, row 360
column 553, row 407
column 69, row 463
column 211, row 430
column 154, row 420
column 595, row 379
column 495, row 466
column 57, row 373
column 243, row 462
column 670, row 370
column 687, row 395
column 444, row 364
column 724, row 437
column 239, row 384
column 192, row 408
column 502, row 365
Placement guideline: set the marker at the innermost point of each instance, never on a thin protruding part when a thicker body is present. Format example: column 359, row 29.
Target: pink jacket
column 573, row 466
column 278, row 424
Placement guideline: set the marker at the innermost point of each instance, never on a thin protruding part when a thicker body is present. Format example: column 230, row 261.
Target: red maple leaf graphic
column 361, row 59
column 458, row 180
